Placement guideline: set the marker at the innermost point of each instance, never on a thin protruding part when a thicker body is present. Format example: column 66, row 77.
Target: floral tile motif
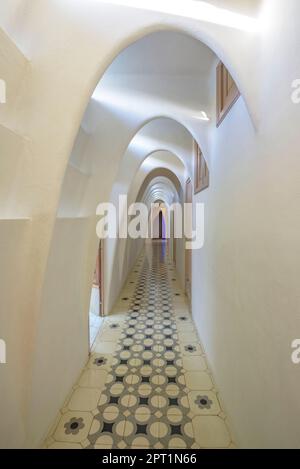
column 205, row 403
column 73, row 427
column 146, row 384
column 100, row 361
column 191, row 349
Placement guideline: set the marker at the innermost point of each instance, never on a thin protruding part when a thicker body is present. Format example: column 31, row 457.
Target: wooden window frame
column 201, row 171
column 227, row 92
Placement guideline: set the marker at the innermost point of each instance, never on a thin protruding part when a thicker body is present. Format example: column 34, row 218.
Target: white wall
column 64, row 320
column 14, row 329
column 245, row 299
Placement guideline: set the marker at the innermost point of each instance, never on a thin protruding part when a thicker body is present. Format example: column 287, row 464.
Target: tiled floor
column 146, row 384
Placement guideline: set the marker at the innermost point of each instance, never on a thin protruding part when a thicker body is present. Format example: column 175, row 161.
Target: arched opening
column 171, row 189
column 158, row 221
column 162, row 228
column 125, row 99
column 122, row 84
column 167, row 74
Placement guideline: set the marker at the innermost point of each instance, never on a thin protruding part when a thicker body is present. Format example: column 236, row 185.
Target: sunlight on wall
column 195, row 10
column 202, row 116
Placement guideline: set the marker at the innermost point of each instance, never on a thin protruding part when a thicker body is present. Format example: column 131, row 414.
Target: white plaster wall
column 14, row 329
column 63, row 325
column 9, row 10
column 245, row 296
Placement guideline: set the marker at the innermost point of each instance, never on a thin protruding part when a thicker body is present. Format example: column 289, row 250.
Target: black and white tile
column 150, row 388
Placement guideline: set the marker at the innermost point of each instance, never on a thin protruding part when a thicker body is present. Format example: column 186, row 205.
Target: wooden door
column 101, row 277
column 98, row 277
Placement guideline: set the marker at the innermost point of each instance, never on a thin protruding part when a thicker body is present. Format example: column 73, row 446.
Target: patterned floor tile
column 84, row 399
column 100, row 361
column 146, row 384
column 60, row 445
column 92, row 378
column 198, row 380
column 188, row 336
column 194, row 363
column 204, row 403
column 104, row 347
column 211, row 432
column 190, row 349
column 73, row 427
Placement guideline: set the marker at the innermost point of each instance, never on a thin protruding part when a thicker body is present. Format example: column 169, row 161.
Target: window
column 200, row 170
column 227, row 92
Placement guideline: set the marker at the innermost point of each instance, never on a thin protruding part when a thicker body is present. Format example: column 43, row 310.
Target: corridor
column 123, row 124
column 147, row 383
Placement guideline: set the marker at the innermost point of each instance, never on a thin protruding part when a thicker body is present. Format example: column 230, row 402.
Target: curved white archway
column 93, row 43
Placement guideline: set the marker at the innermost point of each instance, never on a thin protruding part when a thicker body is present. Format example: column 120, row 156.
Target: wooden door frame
column 188, row 252
column 101, row 286
column 100, row 276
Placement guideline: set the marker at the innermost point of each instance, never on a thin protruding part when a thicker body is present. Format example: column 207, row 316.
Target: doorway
column 161, row 219
column 188, row 252
column 158, row 220
column 96, row 311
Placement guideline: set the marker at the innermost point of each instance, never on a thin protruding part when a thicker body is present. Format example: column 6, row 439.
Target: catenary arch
column 160, row 172
column 203, row 35
column 74, row 90
column 117, row 248
column 79, row 223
